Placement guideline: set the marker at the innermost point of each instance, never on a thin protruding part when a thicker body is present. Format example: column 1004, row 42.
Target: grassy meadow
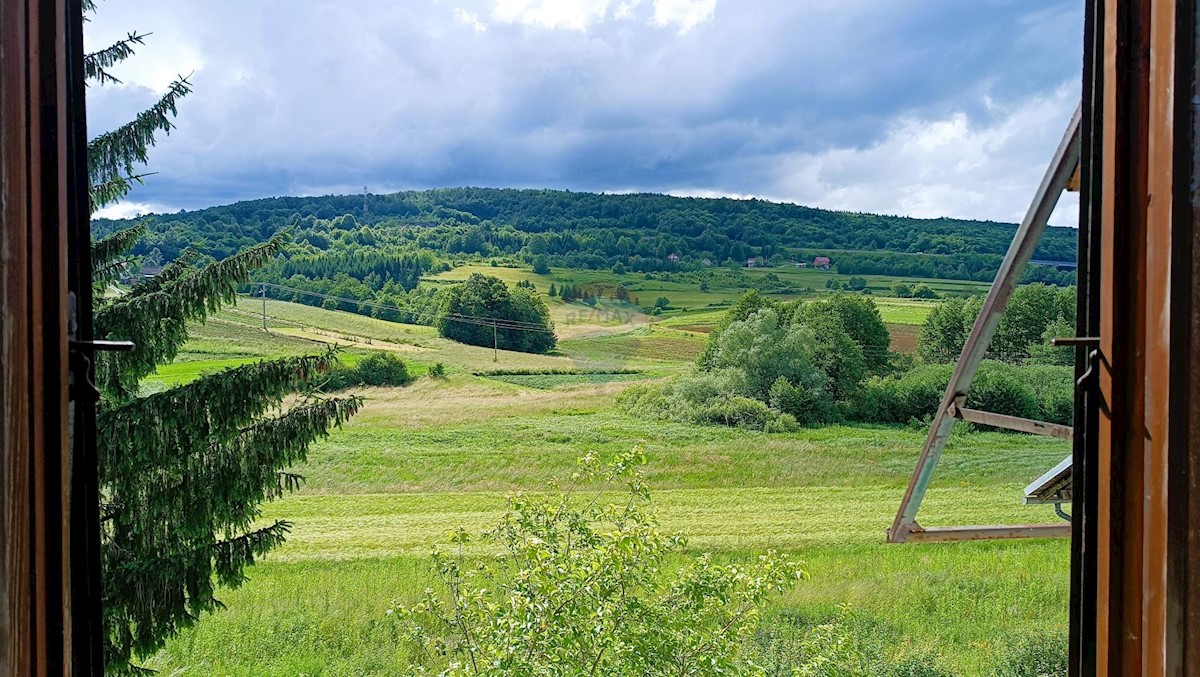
column 419, row 461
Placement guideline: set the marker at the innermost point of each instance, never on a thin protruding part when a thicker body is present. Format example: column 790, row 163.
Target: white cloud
column 948, row 166
column 471, row 19
column 127, row 210
column 686, row 14
column 822, row 101
column 568, row 14
column 579, row 15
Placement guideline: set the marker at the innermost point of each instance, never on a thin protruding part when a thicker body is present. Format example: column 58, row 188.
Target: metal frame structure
column 1058, row 178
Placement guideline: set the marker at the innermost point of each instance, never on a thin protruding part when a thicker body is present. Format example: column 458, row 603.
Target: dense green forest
column 638, row 232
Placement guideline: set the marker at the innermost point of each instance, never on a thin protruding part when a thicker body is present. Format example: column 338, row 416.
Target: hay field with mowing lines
column 419, row 461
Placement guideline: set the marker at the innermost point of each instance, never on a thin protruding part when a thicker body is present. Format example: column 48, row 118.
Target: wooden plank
column 985, row 533
column 1024, row 425
column 38, row 196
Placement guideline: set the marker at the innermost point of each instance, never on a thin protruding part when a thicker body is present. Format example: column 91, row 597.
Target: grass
column 419, row 461
column 558, row 381
column 723, row 286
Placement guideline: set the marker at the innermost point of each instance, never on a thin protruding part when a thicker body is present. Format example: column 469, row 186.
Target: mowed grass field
column 420, row 461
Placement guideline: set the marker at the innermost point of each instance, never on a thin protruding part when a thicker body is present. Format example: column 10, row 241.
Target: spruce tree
column 183, row 472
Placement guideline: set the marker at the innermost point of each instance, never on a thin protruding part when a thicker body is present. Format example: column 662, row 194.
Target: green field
column 419, row 461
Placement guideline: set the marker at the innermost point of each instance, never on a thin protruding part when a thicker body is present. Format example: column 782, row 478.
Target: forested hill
column 589, row 230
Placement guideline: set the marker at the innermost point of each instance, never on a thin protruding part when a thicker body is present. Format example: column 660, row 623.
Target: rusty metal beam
column 919, row 534
column 1024, row 425
column 1062, row 167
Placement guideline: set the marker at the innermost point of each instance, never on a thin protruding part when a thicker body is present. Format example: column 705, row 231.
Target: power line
column 495, row 323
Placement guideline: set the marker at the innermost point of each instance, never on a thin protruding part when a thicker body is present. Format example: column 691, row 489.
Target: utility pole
column 264, row 312
column 366, row 207
column 495, row 343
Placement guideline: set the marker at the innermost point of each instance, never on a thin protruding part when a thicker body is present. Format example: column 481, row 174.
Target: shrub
column 437, row 370
column 1041, row 655
column 924, row 291
column 582, row 589
column 376, row 369
column 841, row 644
column 1002, row 390
column 1054, row 390
column 743, row 412
column 708, row 397
column 807, row 405
column 914, row 395
column 1042, row 392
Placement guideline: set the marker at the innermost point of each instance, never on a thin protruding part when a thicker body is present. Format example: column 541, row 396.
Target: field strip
column 385, row 525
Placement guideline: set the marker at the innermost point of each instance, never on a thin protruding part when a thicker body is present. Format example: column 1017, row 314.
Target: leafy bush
column 743, row 412
column 1042, row 392
column 1054, row 390
column 1041, row 655
column 437, row 370
column 582, row 589
column 1002, row 391
column 924, row 291
column 807, row 405
column 841, row 644
column 376, row 369
column 914, row 395
column 708, row 397
column 765, row 347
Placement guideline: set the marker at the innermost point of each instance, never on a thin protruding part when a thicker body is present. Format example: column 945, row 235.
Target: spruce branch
column 213, row 407
column 113, row 155
column 171, row 272
column 117, row 245
column 96, row 64
column 113, row 190
column 156, row 321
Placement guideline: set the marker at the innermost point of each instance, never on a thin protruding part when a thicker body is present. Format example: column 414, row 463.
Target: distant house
column 802, row 264
column 706, row 262
column 751, row 262
column 822, row 262
column 133, row 276
column 674, row 258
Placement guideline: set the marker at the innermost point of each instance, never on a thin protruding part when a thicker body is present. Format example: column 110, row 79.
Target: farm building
column 822, row 262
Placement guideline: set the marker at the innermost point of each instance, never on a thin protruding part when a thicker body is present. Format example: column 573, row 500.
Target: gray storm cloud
column 911, row 107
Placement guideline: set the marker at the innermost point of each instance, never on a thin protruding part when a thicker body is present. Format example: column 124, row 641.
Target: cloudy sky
column 915, row 107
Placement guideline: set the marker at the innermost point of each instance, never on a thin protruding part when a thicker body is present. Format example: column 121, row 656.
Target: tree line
column 640, row 232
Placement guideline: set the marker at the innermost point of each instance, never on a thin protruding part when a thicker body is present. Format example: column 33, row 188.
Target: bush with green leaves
column 1036, row 655
column 1042, row 392
column 717, row 397
column 379, row 369
column 1035, row 314
column 765, row 347
column 437, row 370
column 839, row 644
column 588, row 585
column 861, row 321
